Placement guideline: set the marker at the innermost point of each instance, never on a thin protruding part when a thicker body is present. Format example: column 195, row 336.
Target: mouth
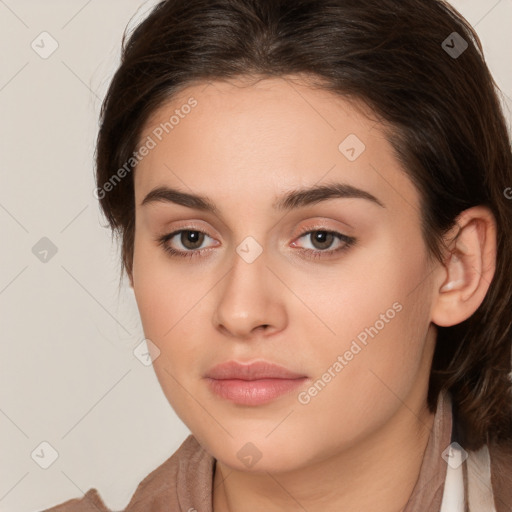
column 252, row 384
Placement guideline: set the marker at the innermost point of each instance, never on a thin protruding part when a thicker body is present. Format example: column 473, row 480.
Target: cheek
column 168, row 299
column 159, row 290
column 391, row 309
column 377, row 311
column 368, row 288
column 380, row 316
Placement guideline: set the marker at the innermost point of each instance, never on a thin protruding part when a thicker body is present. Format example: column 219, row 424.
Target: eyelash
column 309, row 253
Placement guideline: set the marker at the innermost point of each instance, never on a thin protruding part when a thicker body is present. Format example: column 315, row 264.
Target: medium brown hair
column 448, row 131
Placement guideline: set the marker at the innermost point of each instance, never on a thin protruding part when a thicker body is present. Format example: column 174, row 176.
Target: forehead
column 268, row 135
column 271, row 105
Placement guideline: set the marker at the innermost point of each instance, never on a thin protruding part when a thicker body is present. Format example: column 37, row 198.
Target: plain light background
column 68, row 374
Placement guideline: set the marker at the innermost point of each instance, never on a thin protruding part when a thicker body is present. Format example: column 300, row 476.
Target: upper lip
column 252, row 371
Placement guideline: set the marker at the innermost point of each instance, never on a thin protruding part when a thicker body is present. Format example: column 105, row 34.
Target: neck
column 377, row 473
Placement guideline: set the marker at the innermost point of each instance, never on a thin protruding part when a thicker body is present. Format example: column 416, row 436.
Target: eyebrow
column 291, row 200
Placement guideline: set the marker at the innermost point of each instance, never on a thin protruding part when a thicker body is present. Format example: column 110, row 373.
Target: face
column 335, row 287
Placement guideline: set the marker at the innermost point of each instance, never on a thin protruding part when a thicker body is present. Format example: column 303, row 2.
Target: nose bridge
column 248, row 299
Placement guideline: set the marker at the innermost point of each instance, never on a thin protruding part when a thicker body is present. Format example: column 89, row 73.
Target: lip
column 255, row 383
column 251, row 371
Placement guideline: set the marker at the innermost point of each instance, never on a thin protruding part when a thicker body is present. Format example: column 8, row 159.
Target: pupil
column 320, row 237
column 191, row 238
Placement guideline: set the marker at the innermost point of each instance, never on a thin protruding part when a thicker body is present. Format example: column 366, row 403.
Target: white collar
column 479, row 491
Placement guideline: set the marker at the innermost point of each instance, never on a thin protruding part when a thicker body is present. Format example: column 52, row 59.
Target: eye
column 324, row 239
column 192, row 239
column 189, row 239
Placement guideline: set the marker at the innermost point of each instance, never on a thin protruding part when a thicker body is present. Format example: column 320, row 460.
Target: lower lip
column 253, row 392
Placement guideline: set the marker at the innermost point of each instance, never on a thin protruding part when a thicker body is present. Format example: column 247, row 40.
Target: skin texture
column 358, row 443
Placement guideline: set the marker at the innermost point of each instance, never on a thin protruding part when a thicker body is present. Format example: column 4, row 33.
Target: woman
column 313, row 199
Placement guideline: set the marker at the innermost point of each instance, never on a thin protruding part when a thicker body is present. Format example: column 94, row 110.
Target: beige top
column 184, row 481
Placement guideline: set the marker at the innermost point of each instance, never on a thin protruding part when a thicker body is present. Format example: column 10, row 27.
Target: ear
column 466, row 274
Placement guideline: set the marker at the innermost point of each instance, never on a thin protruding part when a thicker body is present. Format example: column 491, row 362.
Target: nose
column 250, row 300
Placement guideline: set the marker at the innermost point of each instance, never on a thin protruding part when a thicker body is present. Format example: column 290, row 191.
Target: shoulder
column 90, row 502
column 159, row 489
column 169, row 485
column 501, row 474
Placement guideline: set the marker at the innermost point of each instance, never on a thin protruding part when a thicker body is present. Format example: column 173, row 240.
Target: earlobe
column 468, row 269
